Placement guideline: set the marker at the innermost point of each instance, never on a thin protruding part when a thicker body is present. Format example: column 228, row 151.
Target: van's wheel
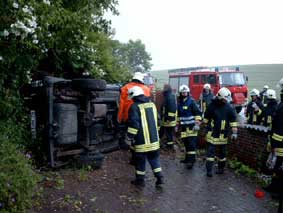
column 89, row 84
column 238, row 109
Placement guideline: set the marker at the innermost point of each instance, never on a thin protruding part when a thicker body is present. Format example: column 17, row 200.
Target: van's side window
column 196, row 79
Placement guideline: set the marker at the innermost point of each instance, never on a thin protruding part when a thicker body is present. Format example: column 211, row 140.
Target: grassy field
column 258, row 75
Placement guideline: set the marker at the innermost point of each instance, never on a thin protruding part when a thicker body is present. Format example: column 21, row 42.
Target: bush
column 17, row 179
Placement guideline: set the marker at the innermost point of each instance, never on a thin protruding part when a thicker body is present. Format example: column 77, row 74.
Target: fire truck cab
column 196, row 77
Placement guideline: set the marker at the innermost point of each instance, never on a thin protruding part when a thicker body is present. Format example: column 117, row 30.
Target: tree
column 133, row 55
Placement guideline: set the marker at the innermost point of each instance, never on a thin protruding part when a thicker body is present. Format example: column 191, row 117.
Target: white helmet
column 271, row 94
column 280, row 84
column 135, row 91
column 225, row 94
column 184, row 88
column 207, row 86
column 139, row 76
column 254, row 92
column 266, row 87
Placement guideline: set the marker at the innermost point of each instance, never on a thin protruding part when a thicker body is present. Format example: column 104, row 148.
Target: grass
column 258, row 75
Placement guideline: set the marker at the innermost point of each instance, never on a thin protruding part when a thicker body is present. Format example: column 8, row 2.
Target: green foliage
column 245, row 170
column 17, row 179
column 241, row 168
column 134, row 56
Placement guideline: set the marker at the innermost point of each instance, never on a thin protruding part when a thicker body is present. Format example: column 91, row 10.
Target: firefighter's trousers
column 154, row 161
column 276, row 185
column 169, row 133
column 190, row 144
column 211, row 154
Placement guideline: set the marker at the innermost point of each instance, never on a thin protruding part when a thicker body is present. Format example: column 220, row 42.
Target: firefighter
column 262, row 94
column 125, row 103
column 142, row 133
column 205, row 97
column 168, row 115
column 276, row 145
column 254, row 108
column 219, row 117
column 124, row 106
column 189, row 117
column 269, row 109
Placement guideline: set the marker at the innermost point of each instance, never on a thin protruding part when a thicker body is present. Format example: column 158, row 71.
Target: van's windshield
column 231, row 79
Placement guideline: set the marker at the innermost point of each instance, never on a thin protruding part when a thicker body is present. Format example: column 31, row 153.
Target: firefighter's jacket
column 263, row 97
column 277, row 131
column 169, row 109
column 252, row 116
column 142, row 125
column 268, row 112
column 205, row 99
column 188, row 113
column 219, row 117
column 125, row 103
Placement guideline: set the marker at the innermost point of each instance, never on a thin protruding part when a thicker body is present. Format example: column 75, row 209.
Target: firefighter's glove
column 129, row 141
column 196, row 128
column 234, row 136
column 255, row 106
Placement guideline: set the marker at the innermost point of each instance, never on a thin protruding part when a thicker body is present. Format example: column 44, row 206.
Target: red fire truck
column 196, row 77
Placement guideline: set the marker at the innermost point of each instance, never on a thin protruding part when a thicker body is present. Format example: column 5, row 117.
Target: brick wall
column 250, row 148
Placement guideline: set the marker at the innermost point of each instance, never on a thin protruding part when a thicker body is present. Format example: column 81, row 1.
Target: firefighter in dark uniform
column 189, row 117
column 219, row 117
column 276, row 143
column 263, row 94
column 168, row 115
column 269, row 110
column 142, row 133
column 254, row 108
column 205, row 97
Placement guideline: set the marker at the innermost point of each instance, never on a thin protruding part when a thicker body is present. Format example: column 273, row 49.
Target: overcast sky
column 184, row 33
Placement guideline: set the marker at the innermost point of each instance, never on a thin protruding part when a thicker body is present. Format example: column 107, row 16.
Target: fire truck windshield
column 231, row 79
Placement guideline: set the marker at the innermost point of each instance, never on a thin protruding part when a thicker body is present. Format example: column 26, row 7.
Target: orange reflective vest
column 125, row 102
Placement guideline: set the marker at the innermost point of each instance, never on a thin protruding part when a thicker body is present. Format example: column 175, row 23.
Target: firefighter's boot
column 220, row 169
column 209, row 165
column 191, row 160
column 273, row 187
column 138, row 182
column 159, row 181
column 186, row 160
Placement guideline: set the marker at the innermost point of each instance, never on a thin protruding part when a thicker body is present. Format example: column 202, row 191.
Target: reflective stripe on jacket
column 219, row 118
column 252, row 116
column 142, row 126
column 169, row 110
column 277, row 131
column 188, row 111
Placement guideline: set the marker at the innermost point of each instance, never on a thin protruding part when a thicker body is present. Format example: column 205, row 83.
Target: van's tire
column 238, row 109
column 89, row 84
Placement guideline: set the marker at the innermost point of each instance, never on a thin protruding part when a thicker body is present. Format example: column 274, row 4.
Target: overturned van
column 78, row 118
